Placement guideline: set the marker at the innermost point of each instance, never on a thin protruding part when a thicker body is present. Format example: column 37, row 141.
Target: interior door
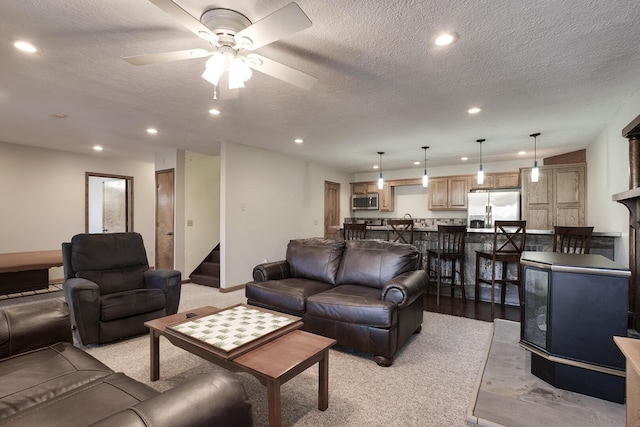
column 114, row 206
column 164, row 219
column 331, row 210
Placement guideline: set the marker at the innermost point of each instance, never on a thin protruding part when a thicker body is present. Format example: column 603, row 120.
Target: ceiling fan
column 231, row 35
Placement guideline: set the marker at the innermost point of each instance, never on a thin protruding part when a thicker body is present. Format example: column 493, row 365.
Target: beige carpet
column 428, row 385
column 507, row 394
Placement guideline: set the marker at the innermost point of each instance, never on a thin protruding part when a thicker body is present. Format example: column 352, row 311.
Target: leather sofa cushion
column 86, row 404
column 44, row 374
column 315, row 258
column 288, row 295
column 119, row 280
column 131, row 303
column 353, row 304
column 107, row 251
column 373, row 263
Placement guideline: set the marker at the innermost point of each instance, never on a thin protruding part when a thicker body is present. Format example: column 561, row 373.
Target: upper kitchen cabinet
column 385, row 197
column 558, row 198
column 497, row 180
column 448, row 193
column 364, row 187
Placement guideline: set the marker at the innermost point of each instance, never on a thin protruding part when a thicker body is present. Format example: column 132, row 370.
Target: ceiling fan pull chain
column 215, row 92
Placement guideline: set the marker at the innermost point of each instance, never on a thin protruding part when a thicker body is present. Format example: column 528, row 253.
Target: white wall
column 283, row 199
column 608, row 174
column 43, row 197
column 202, row 208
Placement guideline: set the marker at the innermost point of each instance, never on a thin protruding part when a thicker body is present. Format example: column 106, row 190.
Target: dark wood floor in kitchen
column 471, row 310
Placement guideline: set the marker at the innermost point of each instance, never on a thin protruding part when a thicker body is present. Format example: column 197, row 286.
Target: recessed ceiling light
column 25, row 46
column 298, row 140
column 446, row 39
column 59, row 116
column 97, row 147
column 416, row 163
column 474, row 110
column 214, row 112
column 375, row 166
column 464, row 159
column 152, row 131
column 521, row 153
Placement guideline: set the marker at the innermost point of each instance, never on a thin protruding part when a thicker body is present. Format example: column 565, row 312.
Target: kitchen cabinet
column 385, row 197
column 449, row 193
column 558, row 198
column 364, row 187
column 497, row 180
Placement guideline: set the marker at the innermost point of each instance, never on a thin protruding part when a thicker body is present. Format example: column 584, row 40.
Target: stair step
column 210, row 268
column 215, row 256
column 203, row 279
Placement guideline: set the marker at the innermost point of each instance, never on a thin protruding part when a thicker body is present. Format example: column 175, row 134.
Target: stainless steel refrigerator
column 486, row 206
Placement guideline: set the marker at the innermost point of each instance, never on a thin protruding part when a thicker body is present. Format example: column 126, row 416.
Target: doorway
column 108, row 203
column 164, row 219
column 331, row 210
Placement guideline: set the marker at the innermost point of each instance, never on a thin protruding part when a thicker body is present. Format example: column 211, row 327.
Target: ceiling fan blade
column 185, row 18
column 281, row 23
column 282, row 72
column 156, row 58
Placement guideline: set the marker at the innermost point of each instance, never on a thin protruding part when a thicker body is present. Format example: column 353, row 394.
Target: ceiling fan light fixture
column 239, row 72
column 214, row 68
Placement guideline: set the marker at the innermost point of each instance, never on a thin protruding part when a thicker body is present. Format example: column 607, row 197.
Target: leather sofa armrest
column 405, row 288
column 277, row 270
column 214, row 399
column 83, row 297
column 35, row 325
column 170, row 281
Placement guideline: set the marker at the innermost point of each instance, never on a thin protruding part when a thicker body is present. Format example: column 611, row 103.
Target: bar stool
column 450, row 250
column 400, row 230
column 355, row 231
column 572, row 240
column 509, row 238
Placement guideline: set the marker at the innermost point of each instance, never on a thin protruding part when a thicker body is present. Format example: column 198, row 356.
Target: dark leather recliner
column 365, row 294
column 110, row 289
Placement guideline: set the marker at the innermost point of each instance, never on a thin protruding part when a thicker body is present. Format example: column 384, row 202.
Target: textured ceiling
column 562, row 68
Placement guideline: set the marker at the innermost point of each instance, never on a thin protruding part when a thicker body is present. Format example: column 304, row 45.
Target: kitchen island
column 481, row 239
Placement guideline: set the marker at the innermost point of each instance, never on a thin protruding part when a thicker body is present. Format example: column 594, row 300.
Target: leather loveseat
column 365, row 294
column 46, row 381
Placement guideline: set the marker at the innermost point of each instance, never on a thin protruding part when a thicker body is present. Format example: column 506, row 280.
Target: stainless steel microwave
column 360, row 202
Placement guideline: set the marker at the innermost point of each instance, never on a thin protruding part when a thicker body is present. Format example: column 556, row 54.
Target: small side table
column 631, row 349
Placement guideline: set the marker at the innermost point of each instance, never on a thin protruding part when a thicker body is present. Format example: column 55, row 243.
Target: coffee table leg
column 275, row 405
column 154, row 351
column 323, row 381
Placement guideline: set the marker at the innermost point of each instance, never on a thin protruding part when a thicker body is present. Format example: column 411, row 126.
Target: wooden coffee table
column 273, row 363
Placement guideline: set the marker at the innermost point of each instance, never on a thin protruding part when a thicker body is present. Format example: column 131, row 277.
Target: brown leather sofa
column 46, row 381
column 365, row 294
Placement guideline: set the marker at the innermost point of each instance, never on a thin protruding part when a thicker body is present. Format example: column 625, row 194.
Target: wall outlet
column 315, row 222
column 265, row 260
column 243, row 206
column 189, row 223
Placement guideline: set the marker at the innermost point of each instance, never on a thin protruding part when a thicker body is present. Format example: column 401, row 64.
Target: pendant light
column 535, row 172
column 480, row 171
column 380, row 181
column 425, row 177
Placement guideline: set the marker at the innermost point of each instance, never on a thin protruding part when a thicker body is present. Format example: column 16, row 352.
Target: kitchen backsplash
column 417, row 222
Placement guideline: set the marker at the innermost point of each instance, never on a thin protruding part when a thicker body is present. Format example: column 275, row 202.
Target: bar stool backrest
column 355, row 231
column 451, row 239
column 509, row 237
column 400, row 230
column 572, row 240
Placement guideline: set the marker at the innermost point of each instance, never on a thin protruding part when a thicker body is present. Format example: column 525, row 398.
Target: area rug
column 429, row 383
column 507, row 394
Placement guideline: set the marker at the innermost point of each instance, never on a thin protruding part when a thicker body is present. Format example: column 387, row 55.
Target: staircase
column 208, row 272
